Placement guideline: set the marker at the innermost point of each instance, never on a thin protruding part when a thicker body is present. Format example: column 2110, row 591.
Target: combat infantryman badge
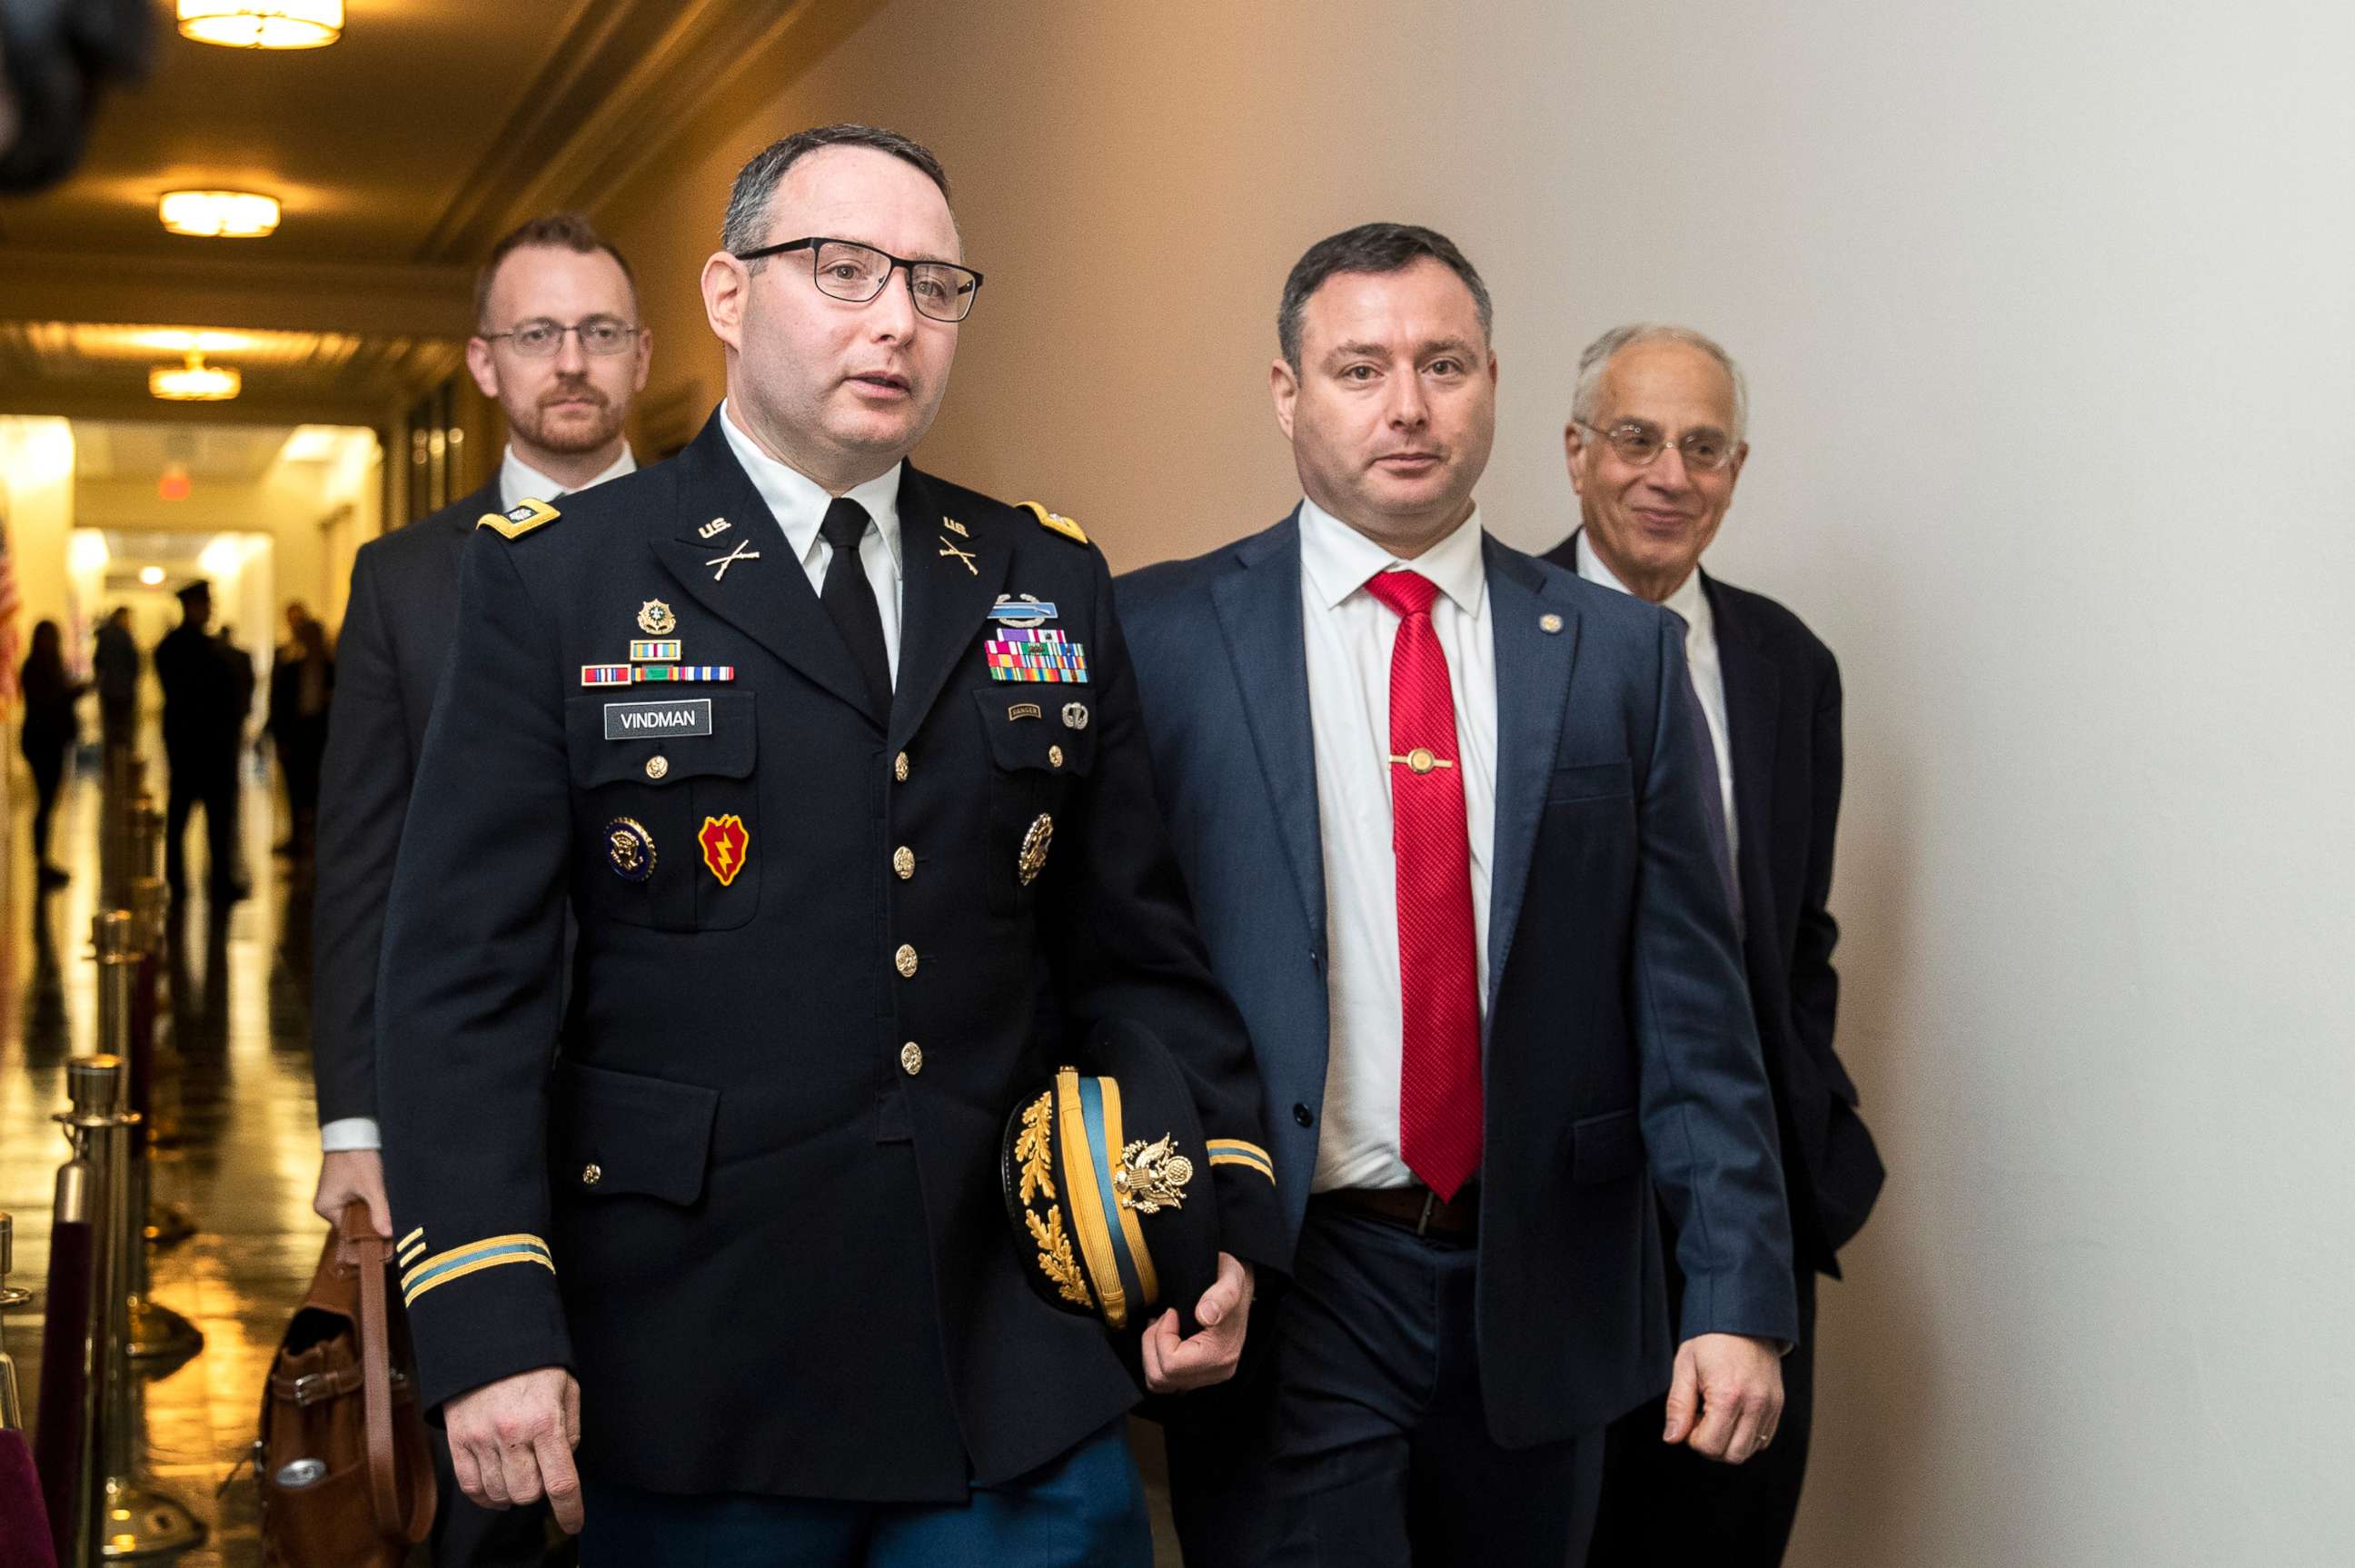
column 656, row 620
column 724, row 841
column 629, row 849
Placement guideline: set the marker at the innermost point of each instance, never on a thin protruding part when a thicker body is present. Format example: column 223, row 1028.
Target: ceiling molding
column 713, row 45
column 390, row 300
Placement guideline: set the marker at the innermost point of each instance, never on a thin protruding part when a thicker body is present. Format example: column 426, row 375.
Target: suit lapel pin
column 1548, row 624
column 715, row 525
column 965, row 556
column 722, row 562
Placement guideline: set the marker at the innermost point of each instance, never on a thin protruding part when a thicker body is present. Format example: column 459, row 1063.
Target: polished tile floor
column 242, row 1143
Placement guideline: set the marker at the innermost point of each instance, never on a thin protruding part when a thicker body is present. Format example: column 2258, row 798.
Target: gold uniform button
column 899, row 767
column 1054, row 756
column 657, row 767
column 911, row 1059
column 903, row 861
column 591, row 1175
column 905, row 962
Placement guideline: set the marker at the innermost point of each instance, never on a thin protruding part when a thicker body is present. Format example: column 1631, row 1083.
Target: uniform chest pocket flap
column 660, row 741
column 620, row 1133
column 1044, row 729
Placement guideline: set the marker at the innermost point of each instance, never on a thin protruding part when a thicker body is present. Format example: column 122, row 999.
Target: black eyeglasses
column 845, row 270
column 539, row 339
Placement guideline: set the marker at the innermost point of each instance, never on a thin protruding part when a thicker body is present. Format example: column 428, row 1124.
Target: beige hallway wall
column 2046, row 315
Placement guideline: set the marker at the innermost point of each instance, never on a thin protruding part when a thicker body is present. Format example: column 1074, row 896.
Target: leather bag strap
column 375, row 1372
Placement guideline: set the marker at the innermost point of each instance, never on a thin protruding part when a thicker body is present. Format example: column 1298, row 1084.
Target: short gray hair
column 747, row 222
column 1586, row 402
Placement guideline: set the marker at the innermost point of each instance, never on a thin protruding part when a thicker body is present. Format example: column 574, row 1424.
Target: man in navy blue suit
column 1655, row 442
column 1443, row 813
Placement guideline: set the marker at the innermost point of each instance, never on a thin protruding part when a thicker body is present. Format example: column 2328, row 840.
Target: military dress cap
column 1106, row 1178
column 190, row 592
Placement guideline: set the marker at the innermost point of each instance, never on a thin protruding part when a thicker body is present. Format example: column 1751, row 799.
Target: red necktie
column 1439, row 1058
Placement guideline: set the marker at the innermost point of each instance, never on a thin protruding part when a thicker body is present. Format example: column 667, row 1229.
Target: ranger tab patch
column 526, row 517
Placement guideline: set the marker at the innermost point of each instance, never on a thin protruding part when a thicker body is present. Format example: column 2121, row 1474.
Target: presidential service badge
column 724, row 841
column 629, row 849
column 1033, row 857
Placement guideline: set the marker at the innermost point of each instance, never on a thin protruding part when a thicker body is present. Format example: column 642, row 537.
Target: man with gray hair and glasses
column 1658, row 436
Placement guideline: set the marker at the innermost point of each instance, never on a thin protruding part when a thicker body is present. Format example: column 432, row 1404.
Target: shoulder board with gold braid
column 1056, row 521
column 521, row 521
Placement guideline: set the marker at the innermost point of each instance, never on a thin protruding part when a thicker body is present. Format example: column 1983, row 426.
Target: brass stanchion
column 120, row 1516
column 66, row 1345
column 155, row 1066
column 152, row 1332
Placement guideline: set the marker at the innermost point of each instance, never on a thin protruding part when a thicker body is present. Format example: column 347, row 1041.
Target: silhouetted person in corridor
column 115, row 663
column 203, row 722
column 301, row 680
column 49, row 733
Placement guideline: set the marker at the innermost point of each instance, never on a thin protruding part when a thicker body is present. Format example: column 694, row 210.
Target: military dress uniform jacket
column 753, row 1200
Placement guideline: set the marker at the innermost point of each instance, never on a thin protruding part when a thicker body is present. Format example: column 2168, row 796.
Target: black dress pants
column 1668, row 1508
column 1363, row 1442
column 212, row 783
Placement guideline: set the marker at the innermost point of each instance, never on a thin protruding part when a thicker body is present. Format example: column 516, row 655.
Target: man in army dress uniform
column 838, row 766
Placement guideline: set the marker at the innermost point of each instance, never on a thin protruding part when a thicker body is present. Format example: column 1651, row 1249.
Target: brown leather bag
column 345, row 1477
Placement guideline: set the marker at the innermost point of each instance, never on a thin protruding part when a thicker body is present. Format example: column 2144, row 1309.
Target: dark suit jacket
column 396, row 634
column 1618, row 1035
column 1782, row 722
column 766, row 1235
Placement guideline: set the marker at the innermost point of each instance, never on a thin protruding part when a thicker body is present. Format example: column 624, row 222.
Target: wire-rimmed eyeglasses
column 538, row 339
column 845, row 270
column 1637, row 442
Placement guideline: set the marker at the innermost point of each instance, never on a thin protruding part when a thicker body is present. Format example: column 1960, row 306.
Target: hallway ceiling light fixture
column 153, row 576
column 220, row 214
column 262, row 24
column 194, row 382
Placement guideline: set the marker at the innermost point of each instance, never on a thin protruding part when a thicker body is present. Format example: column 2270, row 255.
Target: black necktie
column 851, row 603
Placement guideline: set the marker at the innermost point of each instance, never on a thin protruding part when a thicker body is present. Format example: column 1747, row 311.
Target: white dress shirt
column 519, row 482
column 799, row 503
column 1349, row 635
column 1691, row 603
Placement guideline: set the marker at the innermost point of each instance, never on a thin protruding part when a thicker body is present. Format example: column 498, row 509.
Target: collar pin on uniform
column 955, row 527
column 724, row 562
column 717, row 525
column 965, row 556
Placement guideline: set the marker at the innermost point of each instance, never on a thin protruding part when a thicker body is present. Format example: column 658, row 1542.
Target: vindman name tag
column 647, row 721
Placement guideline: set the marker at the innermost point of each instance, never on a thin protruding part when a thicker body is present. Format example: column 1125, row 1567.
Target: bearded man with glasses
column 1655, row 442
column 557, row 347
column 837, row 766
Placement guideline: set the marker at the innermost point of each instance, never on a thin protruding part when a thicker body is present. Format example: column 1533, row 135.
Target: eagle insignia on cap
column 1152, row 1176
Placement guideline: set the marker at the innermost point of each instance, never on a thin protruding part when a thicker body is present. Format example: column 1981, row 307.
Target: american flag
column 10, row 643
